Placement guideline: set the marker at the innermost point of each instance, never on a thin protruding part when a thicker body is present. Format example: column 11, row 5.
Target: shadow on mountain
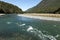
column 2, row 11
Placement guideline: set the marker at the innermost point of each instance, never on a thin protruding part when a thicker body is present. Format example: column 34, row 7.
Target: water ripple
column 38, row 33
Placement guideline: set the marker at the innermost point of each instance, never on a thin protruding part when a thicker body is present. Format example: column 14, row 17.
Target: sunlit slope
column 9, row 8
column 46, row 6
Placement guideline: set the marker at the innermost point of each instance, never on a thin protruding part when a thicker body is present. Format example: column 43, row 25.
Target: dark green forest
column 9, row 8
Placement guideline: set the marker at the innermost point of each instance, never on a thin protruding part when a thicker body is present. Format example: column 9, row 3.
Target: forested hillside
column 46, row 6
column 9, row 8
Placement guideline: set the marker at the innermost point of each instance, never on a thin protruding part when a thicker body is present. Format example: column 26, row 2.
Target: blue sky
column 23, row 4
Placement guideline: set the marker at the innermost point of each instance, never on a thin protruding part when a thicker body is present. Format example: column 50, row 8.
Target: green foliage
column 46, row 6
column 9, row 8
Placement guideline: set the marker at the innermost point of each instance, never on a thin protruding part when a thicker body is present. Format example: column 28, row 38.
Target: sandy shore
column 40, row 17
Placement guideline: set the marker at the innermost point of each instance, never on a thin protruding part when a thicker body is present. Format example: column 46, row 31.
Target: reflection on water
column 13, row 27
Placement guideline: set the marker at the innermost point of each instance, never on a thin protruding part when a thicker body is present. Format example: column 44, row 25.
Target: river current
column 14, row 27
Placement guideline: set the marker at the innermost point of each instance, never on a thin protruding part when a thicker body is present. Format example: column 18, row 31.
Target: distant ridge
column 9, row 8
column 46, row 6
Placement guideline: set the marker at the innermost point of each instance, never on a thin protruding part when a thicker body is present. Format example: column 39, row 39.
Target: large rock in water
column 50, row 6
column 9, row 8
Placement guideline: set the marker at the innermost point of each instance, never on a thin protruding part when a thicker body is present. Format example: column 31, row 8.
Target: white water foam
column 30, row 28
column 40, row 34
column 22, row 25
column 57, row 35
column 8, row 22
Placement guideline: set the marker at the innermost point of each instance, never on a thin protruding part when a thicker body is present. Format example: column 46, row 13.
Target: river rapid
column 14, row 27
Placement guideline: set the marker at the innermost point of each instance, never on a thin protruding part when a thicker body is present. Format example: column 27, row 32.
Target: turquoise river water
column 14, row 27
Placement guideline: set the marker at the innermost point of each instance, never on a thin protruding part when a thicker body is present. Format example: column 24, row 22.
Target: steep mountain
column 46, row 6
column 9, row 8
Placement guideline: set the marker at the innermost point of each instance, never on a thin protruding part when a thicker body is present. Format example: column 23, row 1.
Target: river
column 14, row 27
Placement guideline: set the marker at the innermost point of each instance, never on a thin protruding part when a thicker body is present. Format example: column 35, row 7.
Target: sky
column 23, row 4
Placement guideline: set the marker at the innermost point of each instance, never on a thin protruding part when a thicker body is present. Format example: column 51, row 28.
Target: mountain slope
column 9, row 8
column 46, row 6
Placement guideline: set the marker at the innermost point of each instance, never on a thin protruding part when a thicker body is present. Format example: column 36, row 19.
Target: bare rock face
column 50, row 6
column 9, row 8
